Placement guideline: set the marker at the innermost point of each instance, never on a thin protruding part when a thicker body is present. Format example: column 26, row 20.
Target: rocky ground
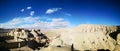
column 81, row 38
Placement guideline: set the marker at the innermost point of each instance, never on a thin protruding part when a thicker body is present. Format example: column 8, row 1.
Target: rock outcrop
column 33, row 38
column 82, row 37
column 90, row 37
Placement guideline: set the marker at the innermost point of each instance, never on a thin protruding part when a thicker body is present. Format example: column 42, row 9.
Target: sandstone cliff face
column 94, row 37
column 83, row 37
column 91, row 37
column 25, row 35
column 18, row 33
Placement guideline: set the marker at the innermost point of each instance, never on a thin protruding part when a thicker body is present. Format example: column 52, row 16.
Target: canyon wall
column 90, row 37
column 82, row 37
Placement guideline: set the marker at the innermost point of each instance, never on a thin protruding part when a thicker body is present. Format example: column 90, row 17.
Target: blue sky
column 58, row 13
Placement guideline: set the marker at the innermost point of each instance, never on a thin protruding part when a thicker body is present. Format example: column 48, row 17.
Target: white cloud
column 32, row 13
column 35, row 22
column 29, row 7
column 57, row 20
column 49, row 11
column 22, row 10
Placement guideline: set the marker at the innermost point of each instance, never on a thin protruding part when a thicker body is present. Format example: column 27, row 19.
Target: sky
column 58, row 13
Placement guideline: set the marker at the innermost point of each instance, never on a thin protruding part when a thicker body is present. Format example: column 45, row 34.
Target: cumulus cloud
column 57, row 20
column 29, row 7
column 22, row 10
column 52, row 10
column 56, row 23
column 32, row 13
column 35, row 22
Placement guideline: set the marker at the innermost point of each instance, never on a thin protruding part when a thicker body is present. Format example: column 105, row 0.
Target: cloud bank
column 52, row 10
column 36, row 22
